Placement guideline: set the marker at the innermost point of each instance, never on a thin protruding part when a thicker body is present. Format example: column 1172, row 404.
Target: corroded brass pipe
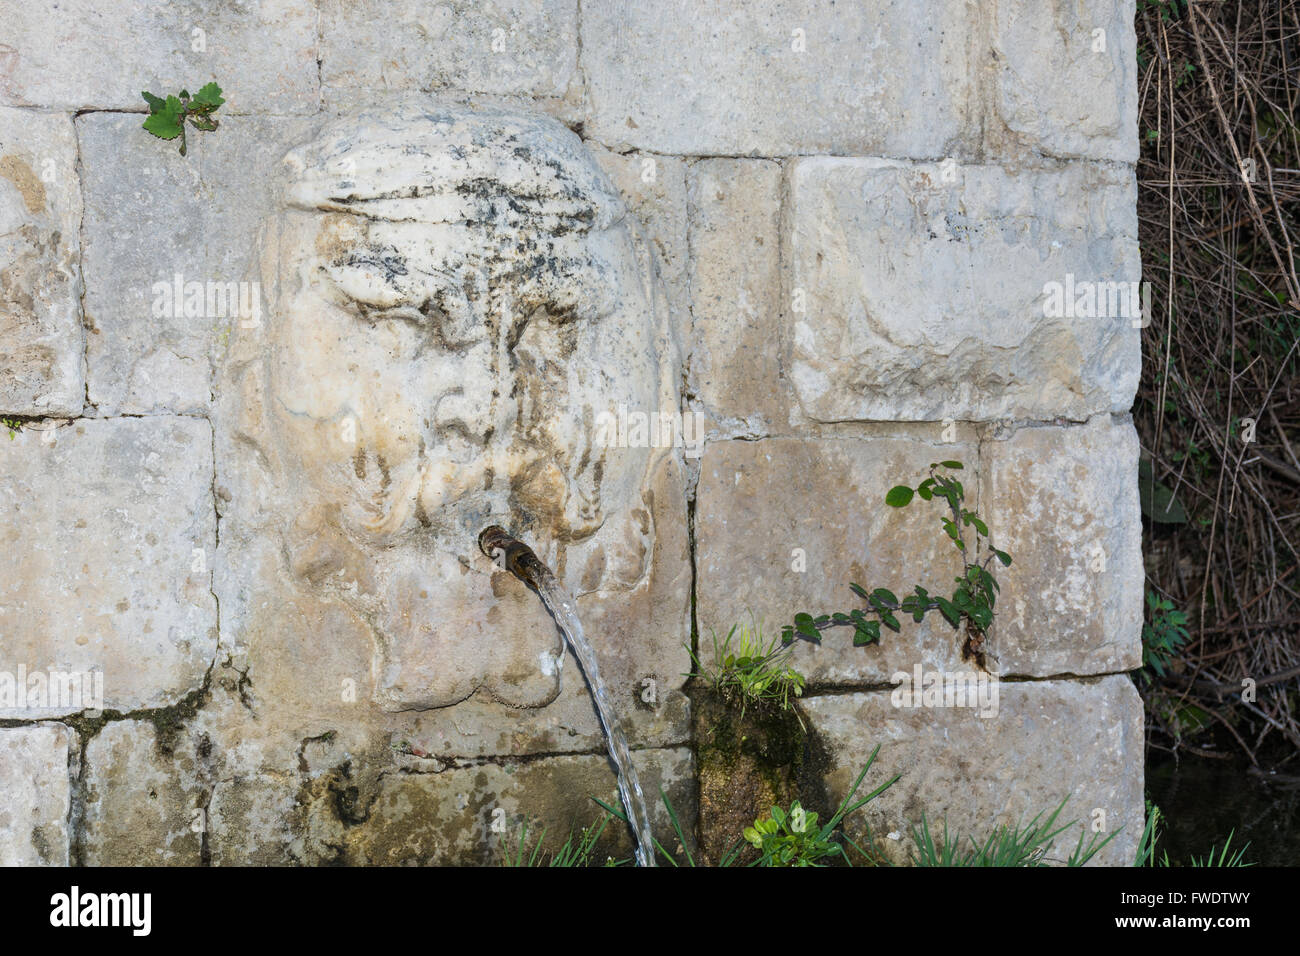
column 515, row 556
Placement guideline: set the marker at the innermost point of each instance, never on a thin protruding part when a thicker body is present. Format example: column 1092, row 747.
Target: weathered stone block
column 655, row 191
column 1048, row 741
column 1065, row 79
column 1063, row 502
column 927, row 296
column 262, row 52
column 777, row 78
column 473, row 814
column 35, row 782
column 516, row 47
column 735, row 357
column 145, row 222
column 784, row 525
column 41, row 341
column 157, row 223
column 104, row 561
column 251, row 821
column 145, row 797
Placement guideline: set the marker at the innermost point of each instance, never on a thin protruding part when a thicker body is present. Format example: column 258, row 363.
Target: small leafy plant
column 13, row 424
column 792, row 839
column 795, row 839
column 1162, row 636
column 167, row 117
column 970, row 608
column 752, row 667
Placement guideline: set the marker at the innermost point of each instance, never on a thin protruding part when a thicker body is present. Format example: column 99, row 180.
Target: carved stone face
column 458, row 298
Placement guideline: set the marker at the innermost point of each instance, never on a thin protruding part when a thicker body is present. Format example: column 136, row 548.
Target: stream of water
column 1205, row 800
column 525, row 565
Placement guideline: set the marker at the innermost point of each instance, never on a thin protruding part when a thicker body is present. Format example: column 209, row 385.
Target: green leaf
column 885, row 595
column 956, row 465
column 1003, row 557
column 889, row 620
column 155, row 102
column 1158, row 501
column 859, row 590
column 961, row 597
column 165, row 123
column 209, row 95
column 804, row 624
column 948, row 610
column 867, row 632
column 980, row 526
column 898, row 496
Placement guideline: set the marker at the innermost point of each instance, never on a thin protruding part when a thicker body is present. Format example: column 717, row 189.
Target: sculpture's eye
column 436, row 328
column 401, row 331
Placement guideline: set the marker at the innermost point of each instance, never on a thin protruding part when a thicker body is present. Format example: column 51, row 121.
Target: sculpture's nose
column 472, row 407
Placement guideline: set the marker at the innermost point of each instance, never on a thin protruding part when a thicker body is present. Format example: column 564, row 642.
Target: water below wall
column 1202, row 800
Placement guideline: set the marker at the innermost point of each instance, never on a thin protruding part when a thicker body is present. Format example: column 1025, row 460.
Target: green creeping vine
column 971, row 606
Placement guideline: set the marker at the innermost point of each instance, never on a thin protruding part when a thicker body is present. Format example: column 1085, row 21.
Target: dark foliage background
column 1219, row 214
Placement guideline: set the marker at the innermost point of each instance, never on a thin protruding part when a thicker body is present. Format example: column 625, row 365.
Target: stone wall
column 853, row 211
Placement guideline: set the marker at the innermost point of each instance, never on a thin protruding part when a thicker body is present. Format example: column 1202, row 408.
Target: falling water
column 520, row 560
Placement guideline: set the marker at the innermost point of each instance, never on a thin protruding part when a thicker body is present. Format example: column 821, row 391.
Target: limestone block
column 928, row 291
column 251, row 821
column 41, row 341
column 474, row 814
column 784, row 525
column 104, row 565
column 778, row 78
column 516, row 47
column 1048, row 741
column 169, row 242
column 1065, row 78
column 655, row 191
column 37, row 795
column 738, row 315
column 99, row 54
column 1063, row 502
column 145, row 221
column 146, row 797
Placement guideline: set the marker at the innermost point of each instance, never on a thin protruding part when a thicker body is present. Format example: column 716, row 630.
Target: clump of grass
column 576, row 851
column 1028, row 845
column 747, row 665
column 1146, row 852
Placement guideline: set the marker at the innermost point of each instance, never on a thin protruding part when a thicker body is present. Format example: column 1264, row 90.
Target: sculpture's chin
column 445, row 625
